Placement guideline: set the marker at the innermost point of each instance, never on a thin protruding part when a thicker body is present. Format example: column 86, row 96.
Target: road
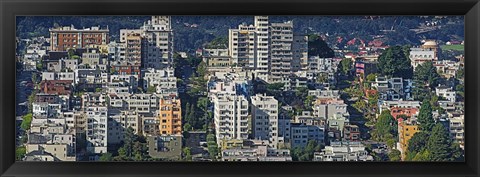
column 24, row 88
column 187, row 71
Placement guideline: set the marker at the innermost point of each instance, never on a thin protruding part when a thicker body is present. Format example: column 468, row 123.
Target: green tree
column 309, row 102
column 426, row 75
column 186, row 114
column 193, row 120
column 418, row 142
column 460, row 90
column 390, row 143
column 422, row 156
column 371, row 77
column 187, row 154
column 187, row 127
column 460, row 73
column 106, row 157
column 306, row 153
column 275, row 86
column 394, row 155
column 322, row 77
column 439, row 144
column 360, row 105
column 425, row 117
column 212, row 146
column 393, row 63
column 151, row 89
column 128, row 142
column 31, row 99
column 346, row 65
column 20, row 152
column 385, row 127
column 27, row 120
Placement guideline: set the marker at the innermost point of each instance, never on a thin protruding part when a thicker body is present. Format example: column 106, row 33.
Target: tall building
column 170, row 116
column 263, row 47
column 265, row 119
column 158, row 47
column 230, row 113
column 300, row 52
column 281, row 56
column 96, row 112
column 63, row 38
column 270, row 50
column 241, row 46
column 133, row 49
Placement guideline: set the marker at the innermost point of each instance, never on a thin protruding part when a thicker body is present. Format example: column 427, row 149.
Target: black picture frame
column 11, row 8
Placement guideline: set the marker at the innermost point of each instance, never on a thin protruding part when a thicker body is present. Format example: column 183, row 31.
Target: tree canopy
column 425, row 117
column 393, row 63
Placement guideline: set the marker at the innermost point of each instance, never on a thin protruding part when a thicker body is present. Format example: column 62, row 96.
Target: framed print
column 241, row 88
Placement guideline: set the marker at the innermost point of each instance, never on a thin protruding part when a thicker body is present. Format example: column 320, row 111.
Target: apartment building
column 170, row 116
column 299, row 52
column 446, row 92
column 343, row 151
column 281, row 55
column 265, row 119
column 143, row 103
column 406, row 130
column 119, row 122
column 301, row 134
column 256, row 153
column 268, row 49
column 64, row 38
column 163, row 80
column 158, row 37
column 457, row 129
column 328, row 107
column 230, row 113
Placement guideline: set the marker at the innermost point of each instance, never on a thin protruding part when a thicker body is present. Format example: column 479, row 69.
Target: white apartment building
column 119, row 122
column 46, row 109
column 230, row 113
column 457, row 129
column 158, row 47
column 58, row 76
column 119, row 87
column 328, row 109
column 281, row 55
column 163, row 79
column 143, row 103
column 268, row 49
column 343, row 151
column 132, row 80
column 265, row 119
column 317, row 66
column 446, row 92
column 97, row 129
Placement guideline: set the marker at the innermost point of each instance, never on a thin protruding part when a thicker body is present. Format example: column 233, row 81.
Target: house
column 343, row 151
column 351, row 133
column 446, row 92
